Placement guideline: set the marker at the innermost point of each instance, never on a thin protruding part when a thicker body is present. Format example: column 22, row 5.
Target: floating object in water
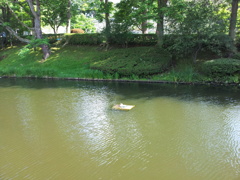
column 123, row 107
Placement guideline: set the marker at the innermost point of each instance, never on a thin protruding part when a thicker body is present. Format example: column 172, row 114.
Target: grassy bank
column 66, row 62
column 137, row 63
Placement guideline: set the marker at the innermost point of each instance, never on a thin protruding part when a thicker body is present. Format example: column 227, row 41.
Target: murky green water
column 67, row 130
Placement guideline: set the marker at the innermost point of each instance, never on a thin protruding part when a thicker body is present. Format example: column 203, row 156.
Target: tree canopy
column 199, row 18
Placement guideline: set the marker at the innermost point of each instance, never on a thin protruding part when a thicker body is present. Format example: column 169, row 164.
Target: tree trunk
column 107, row 21
column 160, row 22
column 108, row 28
column 37, row 26
column 144, row 22
column 144, row 25
column 68, row 27
column 160, row 33
column 233, row 20
column 45, row 50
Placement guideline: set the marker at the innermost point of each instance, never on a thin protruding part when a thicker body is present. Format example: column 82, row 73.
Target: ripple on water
column 72, row 133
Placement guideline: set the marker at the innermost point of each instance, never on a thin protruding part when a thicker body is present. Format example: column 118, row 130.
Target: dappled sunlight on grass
column 137, row 63
column 70, row 61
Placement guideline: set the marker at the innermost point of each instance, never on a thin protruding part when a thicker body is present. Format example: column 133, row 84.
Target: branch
column 11, row 31
column 28, row 11
column 24, row 25
column 38, row 8
column 30, row 4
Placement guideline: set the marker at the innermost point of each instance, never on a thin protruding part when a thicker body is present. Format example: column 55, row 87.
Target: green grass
column 180, row 73
column 66, row 62
column 85, row 62
column 137, row 63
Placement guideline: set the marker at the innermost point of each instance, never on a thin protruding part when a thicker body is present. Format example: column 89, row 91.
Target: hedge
column 84, row 39
column 140, row 61
column 219, row 41
column 134, row 39
column 221, row 67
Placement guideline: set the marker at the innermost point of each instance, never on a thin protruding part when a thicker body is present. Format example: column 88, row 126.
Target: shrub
column 141, row 61
column 52, row 38
column 190, row 45
column 84, row 39
column 80, row 31
column 221, row 67
column 143, row 39
column 236, row 56
column 238, row 41
column 134, row 39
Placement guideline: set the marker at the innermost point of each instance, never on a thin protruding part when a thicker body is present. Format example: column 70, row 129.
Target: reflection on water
column 67, row 130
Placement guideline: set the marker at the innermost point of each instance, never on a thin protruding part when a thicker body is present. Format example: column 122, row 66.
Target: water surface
column 67, row 130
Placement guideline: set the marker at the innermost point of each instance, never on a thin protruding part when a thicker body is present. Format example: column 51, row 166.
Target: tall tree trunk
column 68, row 27
column 37, row 26
column 144, row 25
column 107, row 21
column 233, row 20
column 160, row 22
column 144, row 22
column 108, row 27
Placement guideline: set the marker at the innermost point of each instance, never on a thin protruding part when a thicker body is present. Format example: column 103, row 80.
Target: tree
column 135, row 14
column 162, row 4
column 69, row 15
column 196, row 26
column 106, row 7
column 9, row 20
column 34, row 9
column 54, row 13
column 36, row 12
column 233, row 19
column 83, row 22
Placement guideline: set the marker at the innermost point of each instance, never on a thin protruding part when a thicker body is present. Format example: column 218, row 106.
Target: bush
column 52, row 38
column 80, row 31
column 238, row 41
column 188, row 45
column 236, row 56
column 133, row 39
column 140, row 61
column 221, row 67
column 84, row 39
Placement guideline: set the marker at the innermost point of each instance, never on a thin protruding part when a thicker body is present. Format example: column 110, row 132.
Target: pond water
column 67, row 130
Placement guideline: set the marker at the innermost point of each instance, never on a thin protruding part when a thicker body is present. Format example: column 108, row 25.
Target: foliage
column 140, row 61
column 190, row 45
column 53, row 38
column 134, row 14
column 103, row 7
column 15, row 15
column 236, row 56
column 180, row 73
column 33, row 44
column 84, row 39
column 54, row 13
column 220, row 68
column 83, row 22
column 198, row 22
column 76, row 62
